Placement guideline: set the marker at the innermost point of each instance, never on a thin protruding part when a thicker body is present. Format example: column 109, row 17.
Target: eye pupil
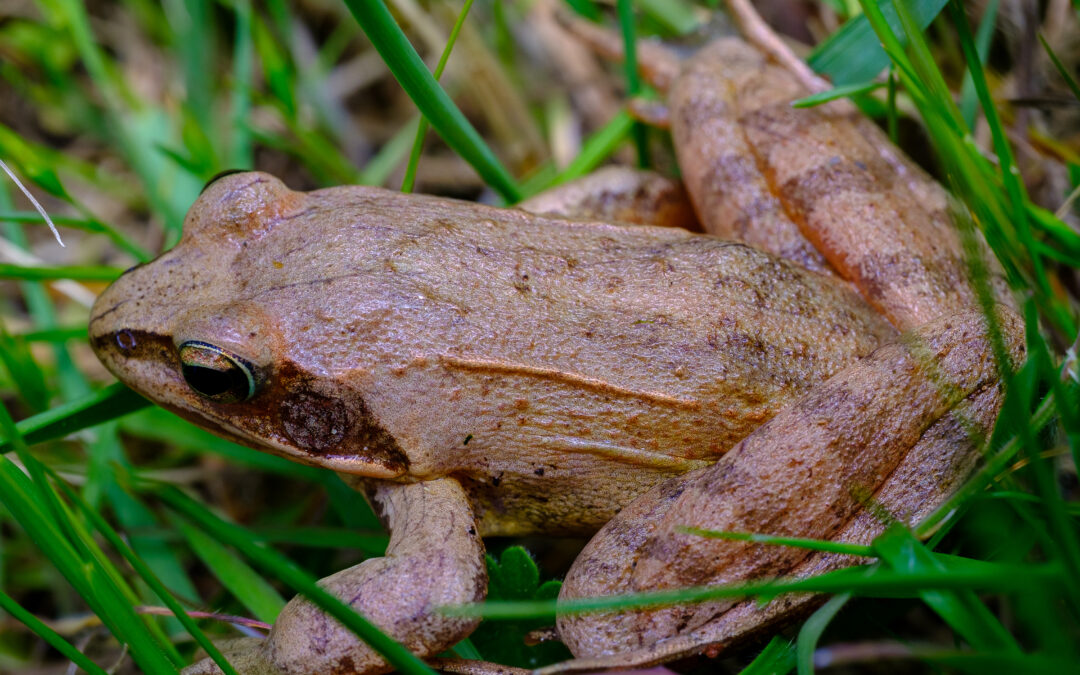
column 216, row 374
column 214, row 383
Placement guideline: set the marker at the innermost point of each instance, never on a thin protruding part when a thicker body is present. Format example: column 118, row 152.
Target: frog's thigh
column 881, row 429
column 435, row 558
column 618, row 194
column 727, row 183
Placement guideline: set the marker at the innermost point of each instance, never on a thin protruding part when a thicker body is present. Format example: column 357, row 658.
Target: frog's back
column 577, row 363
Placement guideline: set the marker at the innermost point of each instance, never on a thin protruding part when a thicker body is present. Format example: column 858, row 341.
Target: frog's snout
column 123, row 331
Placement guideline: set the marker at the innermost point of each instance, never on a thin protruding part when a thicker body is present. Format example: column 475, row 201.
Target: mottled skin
column 491, row 371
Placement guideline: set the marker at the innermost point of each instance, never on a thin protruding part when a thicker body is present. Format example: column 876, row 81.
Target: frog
column 815, row 358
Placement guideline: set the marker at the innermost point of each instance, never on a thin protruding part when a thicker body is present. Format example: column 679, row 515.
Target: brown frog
column 480, row 371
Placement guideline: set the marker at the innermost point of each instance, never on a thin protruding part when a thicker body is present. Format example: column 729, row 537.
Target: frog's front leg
column 435, row 558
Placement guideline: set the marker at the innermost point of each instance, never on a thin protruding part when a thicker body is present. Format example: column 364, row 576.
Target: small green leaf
column 515, row 577
column 853, row 53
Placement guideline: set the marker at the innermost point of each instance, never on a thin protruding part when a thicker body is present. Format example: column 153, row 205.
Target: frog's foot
column 474, row 667
column 900, row 429
column 398, row 592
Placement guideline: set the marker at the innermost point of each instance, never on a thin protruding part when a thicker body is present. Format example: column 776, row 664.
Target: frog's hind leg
column 724, row 174
column 435, row 558
column 877, row 219
column 900, row 429
column 618, row 194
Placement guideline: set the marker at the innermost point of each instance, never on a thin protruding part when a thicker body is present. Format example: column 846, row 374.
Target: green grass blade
column 195, row 50
column 882, row 583
column 968, row 102
column 86, row 224
column 24, row 371
column 409, row 180
column 983, row 187
column 148, row 576
column 1063, row 540
column 370, row 543
column 351, row 506
column 429, row 97
column 777, row 658
column 586, row 8
column 117, row 598
column 75, row 272
column 241, row 153
column 111, row 402
column 599, row 146
column 675, row 15
column 892, row 115
column 812, row 630
column 633, row 80
column 1061, row 68
column 962, row 610
column 136, row 518
column 378, row 170
column 252, row 590
column 297, row 579
column 993, row 466
column 51, row 637
column 1010, row 176
column 58, row 334
column 837, row 92
column 22, row 496
column 797, row 542
column 137, row 133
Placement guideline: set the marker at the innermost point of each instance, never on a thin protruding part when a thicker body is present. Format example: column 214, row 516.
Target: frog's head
column 204, row 335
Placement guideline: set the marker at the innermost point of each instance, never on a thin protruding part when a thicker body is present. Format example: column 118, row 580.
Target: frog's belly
column 564, row 502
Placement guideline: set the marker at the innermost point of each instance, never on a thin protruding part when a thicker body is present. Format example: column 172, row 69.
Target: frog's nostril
column 125, row 340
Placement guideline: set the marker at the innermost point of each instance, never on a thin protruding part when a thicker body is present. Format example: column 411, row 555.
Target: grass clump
column 121, row 115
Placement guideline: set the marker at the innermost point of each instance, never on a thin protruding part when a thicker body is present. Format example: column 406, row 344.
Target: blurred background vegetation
column 115, row 113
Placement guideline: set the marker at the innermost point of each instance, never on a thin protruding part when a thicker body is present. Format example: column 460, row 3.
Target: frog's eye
column 219, row 174
column 215, row 373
